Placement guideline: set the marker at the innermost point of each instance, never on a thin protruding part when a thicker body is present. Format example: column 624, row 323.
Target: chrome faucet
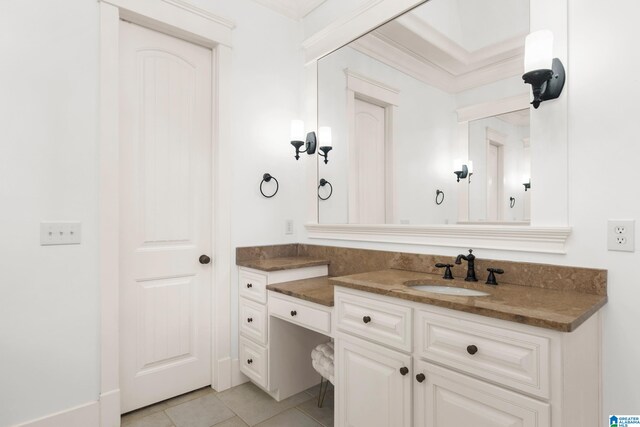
column 471, row 270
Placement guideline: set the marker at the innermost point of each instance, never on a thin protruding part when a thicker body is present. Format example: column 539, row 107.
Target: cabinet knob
column 250, row 319
column 366, row 319
column 294, row 313
column 204, row 259
column 472, row 349
column 249, row 361
column 404, row 370
column 420, row 378
column 249, row 285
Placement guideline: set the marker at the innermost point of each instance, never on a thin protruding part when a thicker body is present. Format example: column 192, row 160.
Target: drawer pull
column 249, row 285
column 472, row 349
column 366, row 319
column 420, row 378
column 404, row 370
column 249, row 319
column 249, row 361
column 294, row 313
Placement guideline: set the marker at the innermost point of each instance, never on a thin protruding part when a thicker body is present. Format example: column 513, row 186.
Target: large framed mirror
column 432, row 132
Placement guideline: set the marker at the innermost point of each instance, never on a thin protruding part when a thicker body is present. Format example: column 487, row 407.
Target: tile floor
column 241, row 406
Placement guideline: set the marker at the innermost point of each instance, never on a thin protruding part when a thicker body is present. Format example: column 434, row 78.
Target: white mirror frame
column 549, row 228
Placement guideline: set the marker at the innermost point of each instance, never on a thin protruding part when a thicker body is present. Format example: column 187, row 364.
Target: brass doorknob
column 204, row 259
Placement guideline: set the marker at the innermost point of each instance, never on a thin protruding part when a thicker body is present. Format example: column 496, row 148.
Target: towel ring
column 438, row 194
column 512, row 202
column 266, row 178
column 324, row 182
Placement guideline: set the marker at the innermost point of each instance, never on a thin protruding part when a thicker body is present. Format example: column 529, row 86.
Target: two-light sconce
column 463, row 170
column 542, row 71
column 310, row 142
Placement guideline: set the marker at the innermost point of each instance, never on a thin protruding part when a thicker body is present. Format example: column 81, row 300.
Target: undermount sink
column 449, row 290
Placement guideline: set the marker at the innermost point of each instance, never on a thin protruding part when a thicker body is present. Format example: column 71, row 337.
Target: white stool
column 322, row 362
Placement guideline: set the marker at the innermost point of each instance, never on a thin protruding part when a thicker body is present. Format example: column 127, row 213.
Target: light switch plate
column 60, row 233
column 621, row 235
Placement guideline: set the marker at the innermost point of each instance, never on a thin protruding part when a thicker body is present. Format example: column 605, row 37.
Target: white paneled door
column 165, row 216
column 369, row 174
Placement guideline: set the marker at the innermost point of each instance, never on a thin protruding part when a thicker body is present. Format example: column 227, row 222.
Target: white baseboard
column 237, row 377
column 110, row 409
column 87, row 415
column 223, row 374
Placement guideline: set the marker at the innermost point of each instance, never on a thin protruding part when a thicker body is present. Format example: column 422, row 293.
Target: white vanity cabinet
column 463, row 369
column 271, row 325
column 374, row 383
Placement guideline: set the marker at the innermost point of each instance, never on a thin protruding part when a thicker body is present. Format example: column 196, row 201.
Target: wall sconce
column 462, row 170
column 527, row 185
column 542, row 71
column 297, row 134
column 325, row 141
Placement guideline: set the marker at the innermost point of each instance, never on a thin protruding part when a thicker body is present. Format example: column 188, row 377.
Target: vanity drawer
column 510, row 358
column 374, row 319
column 301, row 312
column 253, row 286
column 253, row 321
column 253, row 361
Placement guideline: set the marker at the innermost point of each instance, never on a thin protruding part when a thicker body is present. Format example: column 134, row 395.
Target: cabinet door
column 373, row 385
column 449, row 399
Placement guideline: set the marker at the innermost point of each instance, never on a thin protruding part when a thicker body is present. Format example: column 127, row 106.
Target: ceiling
column 294, row 9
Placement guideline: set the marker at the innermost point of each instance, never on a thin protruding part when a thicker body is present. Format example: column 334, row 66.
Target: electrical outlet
column 288, row 226
column 621, row 235
column 60, row 233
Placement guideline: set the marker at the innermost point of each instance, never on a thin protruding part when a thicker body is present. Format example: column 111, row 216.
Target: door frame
column 178, row 19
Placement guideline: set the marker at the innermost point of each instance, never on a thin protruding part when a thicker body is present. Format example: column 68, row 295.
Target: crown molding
column 416, row 48
column 352, row 25
column 500, row 237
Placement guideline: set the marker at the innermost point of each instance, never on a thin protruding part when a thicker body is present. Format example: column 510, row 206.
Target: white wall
column 49, row 331
column 267, row 93
column 513, row 163
column 423, row 128
column 48, row 171
column 602, row 84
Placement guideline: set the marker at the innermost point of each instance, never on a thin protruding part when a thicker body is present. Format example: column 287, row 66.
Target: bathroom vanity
column 520, row 356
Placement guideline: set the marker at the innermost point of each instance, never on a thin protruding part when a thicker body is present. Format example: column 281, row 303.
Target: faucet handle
column 491, row 280
column 447, row 271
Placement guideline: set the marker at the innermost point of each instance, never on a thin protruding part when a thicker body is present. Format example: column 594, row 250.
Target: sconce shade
column 324, row 135
column 470, row 167
column 538, row 51
column 543, row 72
column 297, row 130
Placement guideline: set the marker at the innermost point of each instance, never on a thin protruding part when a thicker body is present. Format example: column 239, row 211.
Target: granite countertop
column 316, row 289
column 282, row 263
column 551, row 309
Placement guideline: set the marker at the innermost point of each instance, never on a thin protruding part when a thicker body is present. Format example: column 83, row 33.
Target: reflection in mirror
column 500, row 151
column 393, row 98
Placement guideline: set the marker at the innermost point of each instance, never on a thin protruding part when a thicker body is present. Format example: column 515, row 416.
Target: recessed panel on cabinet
column 253, row 321
column 306, row 314
column 253, row 286
column 253, row 361
column 373, row 319
column 373, row 385
column 448, row 399
column 510, row 358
